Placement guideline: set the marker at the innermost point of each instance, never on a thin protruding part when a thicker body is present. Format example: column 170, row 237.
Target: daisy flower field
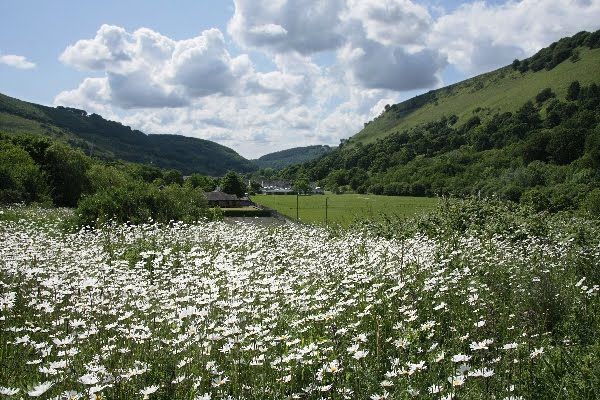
column 472, row 301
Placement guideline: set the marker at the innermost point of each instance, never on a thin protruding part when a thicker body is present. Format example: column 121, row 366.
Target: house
column 277, row 187
column 225, row 200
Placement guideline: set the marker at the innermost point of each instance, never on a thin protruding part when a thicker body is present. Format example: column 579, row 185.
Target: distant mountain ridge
column 296, row 155
column 112, row 140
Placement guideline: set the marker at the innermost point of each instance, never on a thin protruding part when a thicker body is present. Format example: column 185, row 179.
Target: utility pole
column 297, row 219
column 326, row 198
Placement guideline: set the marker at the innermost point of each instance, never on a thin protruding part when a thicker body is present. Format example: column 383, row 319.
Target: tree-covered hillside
column 547, row 154
column 297, row 155
column 543, row 151
column 106, row 139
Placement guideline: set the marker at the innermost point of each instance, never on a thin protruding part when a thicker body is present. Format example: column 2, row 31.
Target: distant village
column 217, row 198
column 285, row 187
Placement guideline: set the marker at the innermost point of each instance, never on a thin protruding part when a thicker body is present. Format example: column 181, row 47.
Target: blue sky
column 263, row 75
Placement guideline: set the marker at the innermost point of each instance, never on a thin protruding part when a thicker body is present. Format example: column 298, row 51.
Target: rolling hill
column 296, row 155
column 112, row 140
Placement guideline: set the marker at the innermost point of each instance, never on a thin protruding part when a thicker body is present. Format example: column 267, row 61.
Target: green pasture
column 343, row 209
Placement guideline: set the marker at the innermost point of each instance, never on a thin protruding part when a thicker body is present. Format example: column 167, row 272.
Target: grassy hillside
column 503, row 90
column 112, row 140
column 297, row 155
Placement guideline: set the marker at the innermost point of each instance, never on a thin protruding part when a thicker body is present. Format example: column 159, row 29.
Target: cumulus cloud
column 479, row 36
column 146, row 69
column 380, row 42
column 304, row 26
column 15, row 61
column 202, row 65
column 93, row 94
column 376, row 66
column 391, row 22
column 110, row 50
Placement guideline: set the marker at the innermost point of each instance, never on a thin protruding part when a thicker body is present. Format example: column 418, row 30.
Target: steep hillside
column 297, row 155
column 112, row 140
column 503, row 90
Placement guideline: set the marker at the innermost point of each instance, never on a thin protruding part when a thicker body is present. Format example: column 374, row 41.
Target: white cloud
column 203, row 67
column 19, row 62
column 391, row 22
column 146, row 69
column 480, row 36
column 304, row 26
column 375, row 66
column 379, row 41
column 111, row 50
column 93, row 94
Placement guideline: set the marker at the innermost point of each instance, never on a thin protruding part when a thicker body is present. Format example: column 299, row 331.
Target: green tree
column 535, row 146
column 301, row 184
column 573, row 91
column 566, row 145
column 254, row 187
column 147, row 173
column 103, row 177
column 21, row 180
column 592, row 147
column 544, row 95
column 138, row 201
column 205, row 183
column 172, row 176
column 67, row 173
column 528, row 115
column 233, row 183
column 268, row 173
column 591, row 202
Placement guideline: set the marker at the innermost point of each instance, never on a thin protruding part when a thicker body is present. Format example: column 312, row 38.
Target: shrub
column 544, row 95
column 536, row 199
column 21, row 180
column 591, row 203
column 139, row 202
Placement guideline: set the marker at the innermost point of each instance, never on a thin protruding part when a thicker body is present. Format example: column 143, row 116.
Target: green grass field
column 345, row 208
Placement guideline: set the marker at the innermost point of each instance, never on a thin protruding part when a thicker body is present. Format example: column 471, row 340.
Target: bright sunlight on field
column 344, row 209
column 472, row 302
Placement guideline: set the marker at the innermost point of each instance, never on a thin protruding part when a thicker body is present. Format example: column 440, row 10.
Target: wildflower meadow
column 472, row 301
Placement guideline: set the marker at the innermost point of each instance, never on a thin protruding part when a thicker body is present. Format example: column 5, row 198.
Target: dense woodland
column 546, row 154
column 566, row 48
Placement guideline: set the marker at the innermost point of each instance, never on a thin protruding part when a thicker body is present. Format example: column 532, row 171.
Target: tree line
column 37, row 169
